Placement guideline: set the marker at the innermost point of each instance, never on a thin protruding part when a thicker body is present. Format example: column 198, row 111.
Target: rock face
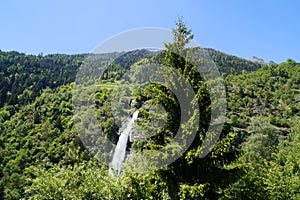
column 257, row 60
column 136, row 135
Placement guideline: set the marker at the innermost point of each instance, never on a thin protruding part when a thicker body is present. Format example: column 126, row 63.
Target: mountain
column 258, row 60
column 42, row 156
column 229, row 64
column 24, row 76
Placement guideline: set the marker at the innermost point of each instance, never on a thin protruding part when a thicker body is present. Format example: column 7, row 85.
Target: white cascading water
column 120, row 151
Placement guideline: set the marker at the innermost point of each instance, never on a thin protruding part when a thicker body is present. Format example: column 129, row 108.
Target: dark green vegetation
column 256, row 157
column 24, row 76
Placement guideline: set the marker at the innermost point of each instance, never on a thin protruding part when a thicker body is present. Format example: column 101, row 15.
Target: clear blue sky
column 268, row 29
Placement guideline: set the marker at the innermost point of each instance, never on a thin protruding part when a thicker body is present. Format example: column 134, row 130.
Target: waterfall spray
column 120, row 150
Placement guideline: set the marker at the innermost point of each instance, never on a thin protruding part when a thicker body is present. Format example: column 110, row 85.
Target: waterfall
column 120, row 150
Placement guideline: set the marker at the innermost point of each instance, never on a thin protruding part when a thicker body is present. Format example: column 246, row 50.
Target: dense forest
column 43, row 157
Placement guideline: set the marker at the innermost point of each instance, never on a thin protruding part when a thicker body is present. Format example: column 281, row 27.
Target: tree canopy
column 256, row 156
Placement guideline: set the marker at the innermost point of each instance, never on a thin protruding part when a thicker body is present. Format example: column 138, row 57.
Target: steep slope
column 264, row 110
column 22, row 77
column 229, row 64
column 41, row 152
column 272, row 92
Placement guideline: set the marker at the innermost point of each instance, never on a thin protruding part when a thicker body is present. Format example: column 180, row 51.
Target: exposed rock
column 257, row 60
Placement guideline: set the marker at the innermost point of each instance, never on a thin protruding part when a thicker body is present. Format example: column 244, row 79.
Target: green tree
column 190, row 176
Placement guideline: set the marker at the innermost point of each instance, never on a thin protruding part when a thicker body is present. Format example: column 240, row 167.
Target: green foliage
column 228, row 64
column 270, row 156
column 42, row 156
column 41, row 133
column 192, row 177
column 24, row 76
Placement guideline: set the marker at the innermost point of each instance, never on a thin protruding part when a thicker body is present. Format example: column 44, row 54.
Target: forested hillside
column 263, row 108
column 229, row 64
column 24, row 76
column 42, row 156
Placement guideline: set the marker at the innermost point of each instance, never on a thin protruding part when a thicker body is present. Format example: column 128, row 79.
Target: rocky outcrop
column 257, row 60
